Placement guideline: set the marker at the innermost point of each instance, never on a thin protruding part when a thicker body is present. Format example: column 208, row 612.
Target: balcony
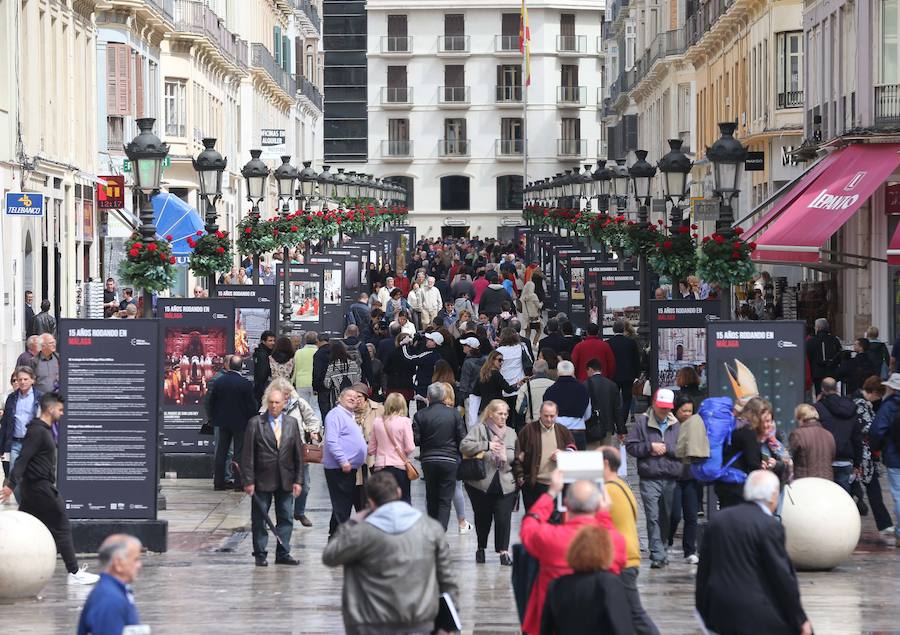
column 571, row 44
column 453, row 149
column 571, row 96
column 396, row 150
column 571, row 148
column 453, row 96
column 601, row 50
column 507, row 45
column 790, row 99
column 308, row 91
column 513, row 149
column 397, row 45
column 260, row 58
column 166, row 6
column 887, row 106
column 453, row 45
column 396, row 97
column 194, row 18
column 509, row 95
column 701, row 22
column 309, row 15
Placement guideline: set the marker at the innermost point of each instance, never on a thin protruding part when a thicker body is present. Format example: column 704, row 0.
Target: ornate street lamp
column 325, row 181
column 255, row 173
column 308, row 181
column 286, row 176
column 340, row 186
column 642, row 174
column 619, row 183
column 585, row 188
column 209, row 166
column 146, row 153
column 675, row 167
column 602, row 178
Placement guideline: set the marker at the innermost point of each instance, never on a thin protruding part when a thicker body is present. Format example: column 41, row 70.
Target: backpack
column 719, row 421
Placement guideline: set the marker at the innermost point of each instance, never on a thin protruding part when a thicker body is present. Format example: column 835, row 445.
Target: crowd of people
column 455, row 357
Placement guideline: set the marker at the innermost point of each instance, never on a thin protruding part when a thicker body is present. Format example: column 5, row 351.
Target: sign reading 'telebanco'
column 24, row 204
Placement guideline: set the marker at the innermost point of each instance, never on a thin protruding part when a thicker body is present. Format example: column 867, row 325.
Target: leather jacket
column 268, row 467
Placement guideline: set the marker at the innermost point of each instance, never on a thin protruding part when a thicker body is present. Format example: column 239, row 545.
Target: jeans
column 842, row 474
column 342, row 491
column 459, row 502
column 625, row 389
column 496, row 508
column 893, row 474
column 657, row 495
column 876, row 503
column 686, row 504
column 530, row 494
column 300, row 501
column 224, row 454
column 641, row 622
column 14, row 450
column 284, row 524
column 440, row 487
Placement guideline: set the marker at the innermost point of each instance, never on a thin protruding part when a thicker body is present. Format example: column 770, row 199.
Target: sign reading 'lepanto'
column 108, row 447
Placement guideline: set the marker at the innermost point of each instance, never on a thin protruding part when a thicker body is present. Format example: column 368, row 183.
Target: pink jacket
column 385, row 433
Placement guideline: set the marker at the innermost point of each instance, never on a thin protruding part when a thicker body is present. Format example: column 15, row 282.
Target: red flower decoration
column 660, row 222
column 220, row 235
column 248, row 230
column 706, row 239
column 137, row 246
column 667, row 244
column 133, row 253
column 275, row 232
column 220, row 250
column 171, row 260
column 294, row 228
column 736, row 255
column 719, row 239
column 694, row 235
column 752, row 246
column 169, row 237
column 151, row 246
column 683, row 230
column 199, row 232
column 693, row 226
column 162, row 257
column 738, row 230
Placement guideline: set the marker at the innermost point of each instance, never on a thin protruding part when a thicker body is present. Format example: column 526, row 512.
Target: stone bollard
column 27, row 555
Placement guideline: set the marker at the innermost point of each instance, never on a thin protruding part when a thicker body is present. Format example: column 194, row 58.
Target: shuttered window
column 139, row 107
column 286, row 54
column 276, row 45
column 118, row 79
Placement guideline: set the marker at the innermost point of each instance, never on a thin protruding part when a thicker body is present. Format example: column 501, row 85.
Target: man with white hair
column 573, row 400
column 32, row 345
column 745, row 582
column 110, row 606
column 431, row 302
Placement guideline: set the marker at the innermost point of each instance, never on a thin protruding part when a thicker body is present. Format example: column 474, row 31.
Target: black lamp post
column 209, row 166
column 727, row 156
column 146, row 153
column 308, row 180
column 642, row 174
column 675, row 167
column 340, row 187
column 325, row 181
column 255, row 173
column 286, row 175
column 585, row 188
column 619, row 184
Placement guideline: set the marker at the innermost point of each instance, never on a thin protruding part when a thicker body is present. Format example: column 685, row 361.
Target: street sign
column 24, row 204
column 705, row 208
column 755, row 162
column 126, row 164
column 111, row 195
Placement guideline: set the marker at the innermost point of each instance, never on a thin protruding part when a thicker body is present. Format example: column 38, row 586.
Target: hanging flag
column 525, row 42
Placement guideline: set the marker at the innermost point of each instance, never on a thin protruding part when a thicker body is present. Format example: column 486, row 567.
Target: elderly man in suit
column 745, row 582
column 272, row 466
column 231, row 405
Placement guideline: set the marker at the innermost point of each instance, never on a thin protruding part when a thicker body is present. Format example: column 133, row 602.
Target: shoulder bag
column 472, row 468
column 412, row 473
column 312, row 452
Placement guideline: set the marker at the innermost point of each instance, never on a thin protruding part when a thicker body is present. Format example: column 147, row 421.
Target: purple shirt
column 344, row 441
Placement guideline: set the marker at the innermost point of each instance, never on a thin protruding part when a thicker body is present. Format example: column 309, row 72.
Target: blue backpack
column 717, row 416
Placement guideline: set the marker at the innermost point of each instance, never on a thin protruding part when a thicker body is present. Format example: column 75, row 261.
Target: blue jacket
column 8, row 422
column 109, row 608
column 880, row 434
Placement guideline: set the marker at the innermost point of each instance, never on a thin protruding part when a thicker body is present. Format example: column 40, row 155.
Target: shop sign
column 755, row 162
column 24, row 204
column 111, row 195
column 892, row 199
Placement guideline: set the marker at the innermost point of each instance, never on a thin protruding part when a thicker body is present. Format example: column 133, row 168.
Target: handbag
column 312, row 452
column 637, row 387
column 472, row 468
column 412, row 473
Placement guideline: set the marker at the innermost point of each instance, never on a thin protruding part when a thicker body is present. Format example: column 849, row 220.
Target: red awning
column 827, row 202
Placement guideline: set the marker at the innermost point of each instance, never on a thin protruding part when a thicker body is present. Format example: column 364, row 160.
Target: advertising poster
column 612, row 295
column 678, row 338
column 107, row 461
column 559, row 280
column 756, row 356
column 578, row 266
column 305, row 296
column 255, row 310
column 197, row 334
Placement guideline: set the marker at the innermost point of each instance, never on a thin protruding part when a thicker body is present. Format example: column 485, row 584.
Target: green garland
column 726, row 260
column 212, row 254
column 675, row 254
column 149, row 264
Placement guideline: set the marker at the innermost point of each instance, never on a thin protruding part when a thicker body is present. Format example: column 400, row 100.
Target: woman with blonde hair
column 494, row 496
column 491, row 384
column 391, row 441
column 758, row 413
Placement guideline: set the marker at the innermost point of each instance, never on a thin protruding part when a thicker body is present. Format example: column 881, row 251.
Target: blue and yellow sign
column 24, row 204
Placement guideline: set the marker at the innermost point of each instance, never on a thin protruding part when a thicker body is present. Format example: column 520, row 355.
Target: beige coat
column 366, row 419
column 692, row 440
column 477, row 441
column 531, row 306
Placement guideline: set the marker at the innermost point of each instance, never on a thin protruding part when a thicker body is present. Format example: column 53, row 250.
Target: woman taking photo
column 491, row 384
column 494, row 496
column 391, row 441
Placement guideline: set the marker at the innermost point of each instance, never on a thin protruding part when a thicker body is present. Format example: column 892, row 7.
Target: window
column 454, row 193
column 276, row 44
column 509, row 82
column 567, row 40
column 397, row 26
column 176, row 111
column 118, row 79
column 509, row 192
column 310, row 65
column 568, row 75
column 454, row 83
column 509, row 32
column 286, row 53
column 398, row 137
column 115, row 133
column 789, row 72
column 152, row 89
column 630, row 40
column 890, row 42
column 397, row 90
column 454, row 32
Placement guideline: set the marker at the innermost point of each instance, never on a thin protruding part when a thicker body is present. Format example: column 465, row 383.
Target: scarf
column 499, row 457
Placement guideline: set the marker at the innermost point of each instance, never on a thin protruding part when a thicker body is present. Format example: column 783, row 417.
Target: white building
column 446, row 104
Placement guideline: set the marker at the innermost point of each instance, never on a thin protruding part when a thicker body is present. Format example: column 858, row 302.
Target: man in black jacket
column 272, row 467
column 35, row 474
column 838, row 416
column 628, row 362
column 355, row 345
column 493, row 297
column 320, row 367
column 823, row 351
column 606, row 408
column 554, row 339
column 745, row 582
column 231, row 405
column 438, row 431
column 262, row 372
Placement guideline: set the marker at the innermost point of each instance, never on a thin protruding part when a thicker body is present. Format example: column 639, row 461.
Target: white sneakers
column 83, row 576
column 464, row 529
column 887, row 531
column 692, row 559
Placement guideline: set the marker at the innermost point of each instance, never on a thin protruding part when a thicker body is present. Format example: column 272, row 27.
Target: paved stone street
column 207, row 583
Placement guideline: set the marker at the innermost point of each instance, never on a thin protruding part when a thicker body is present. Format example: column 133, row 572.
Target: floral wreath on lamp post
column 149, row 264
column 211, row 253
column 254, row 236
column 726, row 259
column 640, row 238
column 675, row 253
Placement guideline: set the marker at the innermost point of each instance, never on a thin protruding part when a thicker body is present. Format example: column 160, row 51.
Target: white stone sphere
column 27, row 555
column 821, row 524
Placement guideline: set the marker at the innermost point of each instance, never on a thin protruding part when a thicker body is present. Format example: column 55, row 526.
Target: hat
column 893, row 381
column 664, row 398
column 471, row 342
column 361, row 388
column 435, row 337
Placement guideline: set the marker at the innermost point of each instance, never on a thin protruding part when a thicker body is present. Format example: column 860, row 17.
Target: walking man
column 20, row 408
column 35, row 474
column 538, row 445
column 272, row 466
column 32, row 346
column 231, row 406
column 44, row 322
column 46, row 365
column 573, row 401
column 344, row 452
column 110, row 606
